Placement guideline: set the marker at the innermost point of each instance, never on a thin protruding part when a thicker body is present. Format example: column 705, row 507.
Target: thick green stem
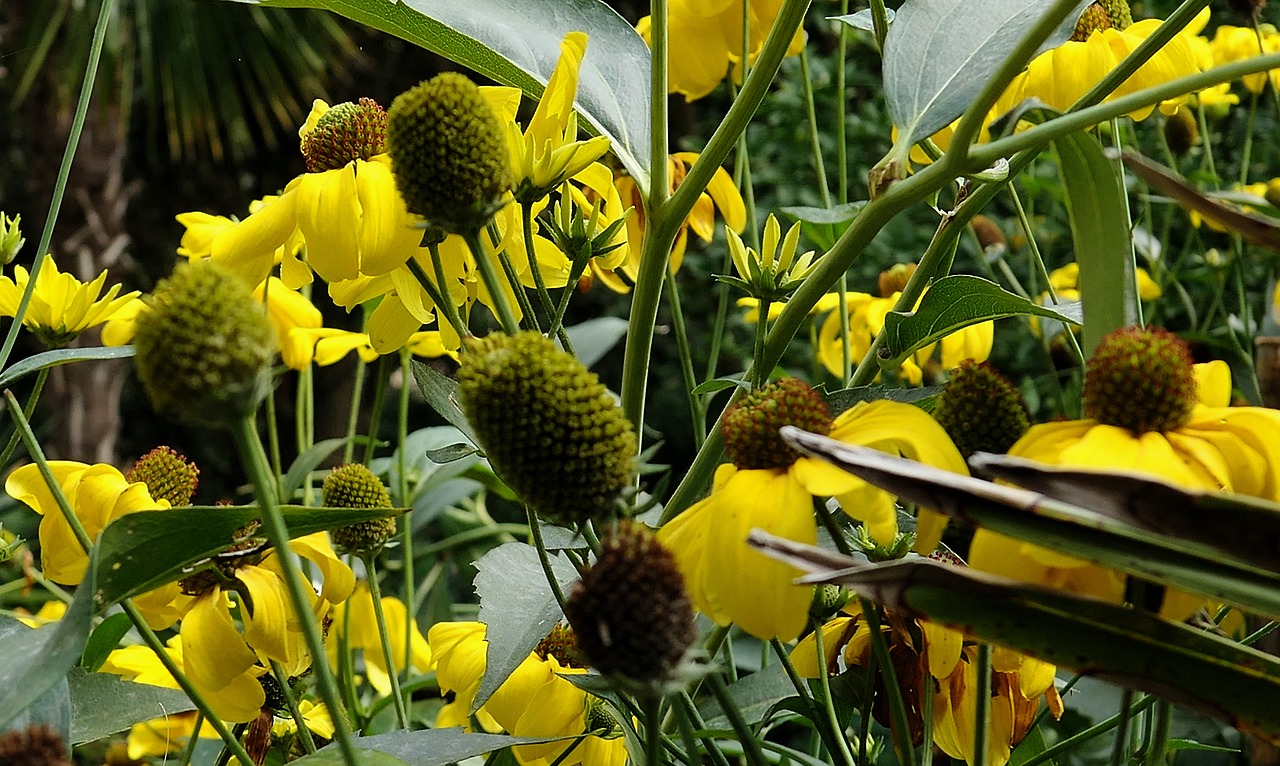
column 897, row 706
column 982, row 710
column 388, row 656
column 652, row 705
column 402, row 492
column 746, row 737
column 667, row 215
column 250, row 448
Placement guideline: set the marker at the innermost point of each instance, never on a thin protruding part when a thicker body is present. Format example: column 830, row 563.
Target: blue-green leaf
column 951, row 304
column 31, row 364
column 517, row 43
column 433, row 747
column 1100, row 231
column 103, row 704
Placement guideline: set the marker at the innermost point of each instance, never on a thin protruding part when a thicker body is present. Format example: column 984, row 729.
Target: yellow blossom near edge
column 62, row 306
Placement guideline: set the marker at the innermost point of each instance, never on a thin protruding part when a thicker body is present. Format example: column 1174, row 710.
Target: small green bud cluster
column 11, row 239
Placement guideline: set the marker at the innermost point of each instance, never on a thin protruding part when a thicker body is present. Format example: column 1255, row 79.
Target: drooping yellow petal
column 266, row 619
column 216, row 658
column 388, row 234
column 328, row 209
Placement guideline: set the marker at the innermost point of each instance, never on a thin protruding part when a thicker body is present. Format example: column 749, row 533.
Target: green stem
column 388, row 656
column 667, row 215
column 652, row 705
column 926, row 713
column 815, row 145
column 250, row 448
column 982, row 711
column 273, row 440
column 540, row 284
column 1247, row 151
column 402, row 490
column 544, row 558
column 879, row 23
column 64, row 171
column 140, row 624
column 41, row 377
column 473, row 535
column 842, row 108
column 291, row 702
column 686, row 709
column 190, row 748
column 761, row 376
column 439, row 295
column 1157, row 751
column 749, row 740
column 353, row 409
column 829, row 704
column 375, row 413
column 501, row 309
column 696, row 411
column 897, row 707
column 1120, row 749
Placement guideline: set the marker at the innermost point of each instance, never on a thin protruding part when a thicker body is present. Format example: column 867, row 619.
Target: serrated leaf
column 1097, row 208
column 1059, row 526
column 31, row 364
column 104, row 639
column 450, row 453
column 594, row 338
column 37, row 659
column 142, row 551
column 307, row 462
column 103, row 704
column 432, row 747
column 939, row 54
column 517, row 43
column 862, row 19
column 1115, row 643
column 517, row 608
column 441, row 392
column 951, row 304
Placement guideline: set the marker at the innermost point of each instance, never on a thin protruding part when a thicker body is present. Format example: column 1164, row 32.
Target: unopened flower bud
column 10, row 238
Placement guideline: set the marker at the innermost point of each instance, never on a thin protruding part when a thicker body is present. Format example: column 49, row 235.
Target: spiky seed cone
column 1119, row 13
column 1181, row 132
column 37, row 745
column 980, row 410
column 355, row 486
column 275, row 693
column 895, row 279
column 561, row 643
column 449, row 153
column 630, row 610
column 550, row 428
column 345, row 133
column 1140, row 379
column 750, row 427
column 203, row 347
column 1093, row 19
column 168, row 476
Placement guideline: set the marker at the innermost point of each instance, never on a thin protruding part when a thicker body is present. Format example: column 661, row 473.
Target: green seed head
column 1094, row 19
column 630, row 610
column 449, row 153
column 550, row 428
column 346, row 133
column 355, row 486
column 1118, row 12
column 203, row 347
column 980, row 410
column 1142, row 380
column 168, row 476
column 750, row 427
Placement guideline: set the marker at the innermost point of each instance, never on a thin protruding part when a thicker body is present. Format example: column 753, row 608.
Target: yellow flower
column 1066, row 286
column 547, row 152
column 943, row 658
column 535, row 700
column 50, row 611
column 224, row 661
column 1238, row 43
column 706, row 38
column 248, row 256
column 355, row 619
column 165, row 734
column 62, row 306
column 720, row 194
column 314, row 714
column 345, row 208
column 327, row 345
column 730, row 582
column 1217, row 448
column 1062, row 75
column 98, row 494
column 866, row 319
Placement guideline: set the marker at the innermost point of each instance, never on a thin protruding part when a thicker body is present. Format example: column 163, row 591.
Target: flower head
column 355, row 486
column 11, row 239
column 355, row 621
column 62, row 306
column 981, row 410
column 730, row 582
column 168, row 475
column 775, row 272
column 1211, row 446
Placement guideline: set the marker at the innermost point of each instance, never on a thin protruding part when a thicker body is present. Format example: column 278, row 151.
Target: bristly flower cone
column 345, row 133
column 355, row 486
column 549, row 427
column 980, row 410
column 1141, row 380
column 630, row 611
column 750, row 427
column 168, row 476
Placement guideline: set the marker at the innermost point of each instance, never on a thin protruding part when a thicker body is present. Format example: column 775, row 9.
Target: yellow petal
column 214, row 653
column 266, row 621
column 328, row 209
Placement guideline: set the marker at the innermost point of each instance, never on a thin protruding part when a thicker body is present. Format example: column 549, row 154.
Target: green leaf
column 1031, row 746
column 1114, row 643
column 517, row 608
column 1056, row 525
column 332, row 756
column 940, row 54
column 824, row 225
column 517, row 43
column 31, row 364
column 1097, row 208
column 596, row 337
column 862, row 19
column 432, row 747
column 52, row 709
column 922, row 397
column 441, row 392
column 307, row 462
column 754, row 696
column 720, row 384
column 103, row 704
column 450, row 453
column 1188, row 744
column 36, row 660
column 142, row 551
column 104, row 639
column 951, row 304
